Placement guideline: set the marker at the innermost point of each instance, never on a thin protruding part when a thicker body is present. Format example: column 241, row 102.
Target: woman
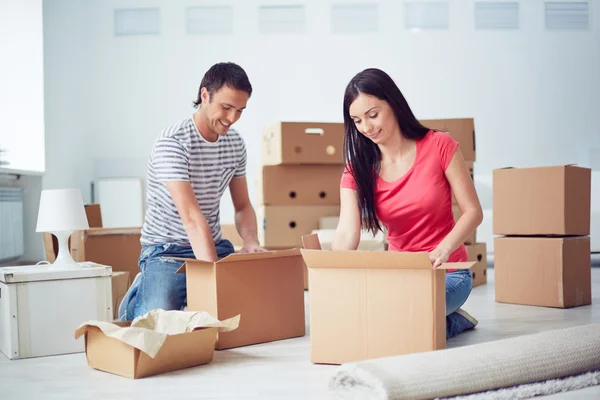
column 401, row 175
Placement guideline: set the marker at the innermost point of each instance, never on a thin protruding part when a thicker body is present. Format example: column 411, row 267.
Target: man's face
column 224, row 109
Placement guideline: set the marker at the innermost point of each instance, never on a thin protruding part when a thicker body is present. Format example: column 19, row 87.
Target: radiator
column 11, row 223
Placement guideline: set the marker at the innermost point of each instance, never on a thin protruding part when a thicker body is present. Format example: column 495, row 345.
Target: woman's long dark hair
column 361, row 155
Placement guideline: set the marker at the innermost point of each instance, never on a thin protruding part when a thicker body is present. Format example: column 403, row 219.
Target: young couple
column 399, row 174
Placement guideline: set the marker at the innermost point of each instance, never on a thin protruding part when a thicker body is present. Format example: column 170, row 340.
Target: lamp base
column 64, row 259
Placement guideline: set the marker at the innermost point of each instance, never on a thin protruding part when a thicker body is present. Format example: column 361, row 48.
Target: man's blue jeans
column 158, row 285
column 458, row 287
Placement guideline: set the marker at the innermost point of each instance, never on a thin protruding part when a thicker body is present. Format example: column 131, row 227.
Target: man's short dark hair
column 223, row 74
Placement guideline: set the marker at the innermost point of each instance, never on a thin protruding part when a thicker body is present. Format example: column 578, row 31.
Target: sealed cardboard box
column 461, row 129
column 543, row 271
column 229, row 232
column 303, row 143
column 299, row 185
column 284, row 226
column 542, row 201
column 158, row 342
column 266, row 289
column 366, row 305
column 477, row 253
column 118, row 247
column 472, row 238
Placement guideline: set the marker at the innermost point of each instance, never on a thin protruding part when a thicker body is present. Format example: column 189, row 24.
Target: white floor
column 270, row 371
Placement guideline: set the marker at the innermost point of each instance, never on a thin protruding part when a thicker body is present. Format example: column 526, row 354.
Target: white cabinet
column 40, row 309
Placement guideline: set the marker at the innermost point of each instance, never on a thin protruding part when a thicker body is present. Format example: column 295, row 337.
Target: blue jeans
column 158, row 285
column 458, row 287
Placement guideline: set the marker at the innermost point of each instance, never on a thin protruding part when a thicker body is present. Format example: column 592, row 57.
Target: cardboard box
column 477, row 253
column 542, row 201
column 120, row 284
column 551, row 272
column 179, row 351
column 300, row 185
column 284, row 226
column 266, row 289
column 303, row 143
column 229, row 232
column 94, row 215
column 472, row 238
column 470, row 166
column 118, row 247
column 461, row 129
column 366, row 305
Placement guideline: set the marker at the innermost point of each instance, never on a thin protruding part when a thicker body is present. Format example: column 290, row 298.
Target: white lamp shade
column 61, row 210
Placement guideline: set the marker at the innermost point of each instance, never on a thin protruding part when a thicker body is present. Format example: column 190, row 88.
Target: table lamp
column 61, row 213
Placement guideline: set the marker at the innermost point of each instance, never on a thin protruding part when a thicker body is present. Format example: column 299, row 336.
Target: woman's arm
column 347, row 234
column 463, row 188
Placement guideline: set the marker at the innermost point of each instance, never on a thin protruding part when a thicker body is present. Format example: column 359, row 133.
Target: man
column 191, row 164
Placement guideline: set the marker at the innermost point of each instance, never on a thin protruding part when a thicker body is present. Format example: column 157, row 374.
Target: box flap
column 311, row 242
column 365, row 259
column 235, row 257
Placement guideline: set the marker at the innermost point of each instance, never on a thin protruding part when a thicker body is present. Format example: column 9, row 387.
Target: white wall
column 22, row 85
column 22, row 110
column 534, row 94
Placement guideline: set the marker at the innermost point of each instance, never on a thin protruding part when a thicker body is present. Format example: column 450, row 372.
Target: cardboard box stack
column 299, row 180
column 463, row 131
column 543, row 259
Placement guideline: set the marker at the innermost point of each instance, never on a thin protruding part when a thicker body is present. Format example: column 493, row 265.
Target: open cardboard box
column 142, row 351
column 366, row 305
column 267, row 289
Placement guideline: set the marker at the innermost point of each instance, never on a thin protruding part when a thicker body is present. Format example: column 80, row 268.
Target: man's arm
column 194, row 223
column 245, row 217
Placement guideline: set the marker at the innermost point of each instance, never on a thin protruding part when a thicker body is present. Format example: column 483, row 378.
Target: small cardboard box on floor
column 265, row 289
column 366, row 305
column 160, row 341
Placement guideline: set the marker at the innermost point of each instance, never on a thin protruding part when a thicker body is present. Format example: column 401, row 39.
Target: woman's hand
column 439, row 255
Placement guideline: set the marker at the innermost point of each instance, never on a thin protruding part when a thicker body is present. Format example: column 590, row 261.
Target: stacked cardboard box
column 463, row 131
column 544, row 257
column 299, row 180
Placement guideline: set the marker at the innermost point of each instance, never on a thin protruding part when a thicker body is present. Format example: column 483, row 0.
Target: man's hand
column 252, row 248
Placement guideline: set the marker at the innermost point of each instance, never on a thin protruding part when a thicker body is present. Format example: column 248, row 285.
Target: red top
column 417, row 207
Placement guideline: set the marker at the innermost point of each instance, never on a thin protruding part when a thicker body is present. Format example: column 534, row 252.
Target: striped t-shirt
column 182, row 154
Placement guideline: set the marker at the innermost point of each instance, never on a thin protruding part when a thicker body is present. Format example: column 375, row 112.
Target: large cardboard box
column 284, row 226
column 118, row 247
column 542, row 201
column 366, row 305
column 461, row 129
column 305, row 185
column 477, row 253
column 303, row 143
column 472, row 238
column 551, row 272
column 266, row 289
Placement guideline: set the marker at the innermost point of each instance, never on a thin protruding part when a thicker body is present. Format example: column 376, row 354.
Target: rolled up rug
column 471, row 369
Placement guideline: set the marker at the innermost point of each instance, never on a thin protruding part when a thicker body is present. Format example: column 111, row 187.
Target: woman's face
column 374, row 118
